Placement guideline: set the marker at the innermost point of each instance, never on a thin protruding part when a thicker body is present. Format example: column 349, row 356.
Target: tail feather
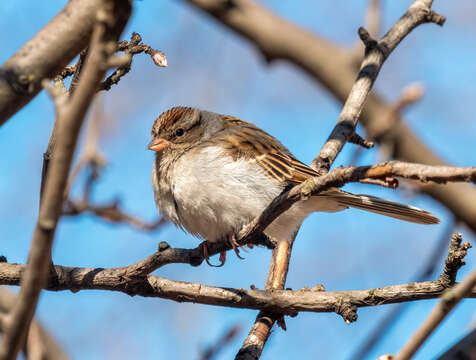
column 383, row 207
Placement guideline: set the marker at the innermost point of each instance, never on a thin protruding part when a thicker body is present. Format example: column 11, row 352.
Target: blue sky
column 212, row 68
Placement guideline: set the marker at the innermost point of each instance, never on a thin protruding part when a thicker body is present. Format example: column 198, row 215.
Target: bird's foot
column 235, row 246
column 222, row 258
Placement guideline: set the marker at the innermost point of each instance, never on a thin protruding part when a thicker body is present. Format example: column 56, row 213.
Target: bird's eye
column 179, row 132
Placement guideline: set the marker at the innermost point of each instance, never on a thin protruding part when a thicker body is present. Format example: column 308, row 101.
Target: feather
column 382, row 206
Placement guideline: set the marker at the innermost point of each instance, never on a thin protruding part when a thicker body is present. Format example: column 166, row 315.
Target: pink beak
column 158, row 144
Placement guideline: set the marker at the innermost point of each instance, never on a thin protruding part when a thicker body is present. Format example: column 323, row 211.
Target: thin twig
column 132, row 48
column 213, row 350
column 113, row 213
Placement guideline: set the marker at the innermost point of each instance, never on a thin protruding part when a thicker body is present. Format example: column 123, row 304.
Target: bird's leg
column 222, row 259
column 235, row 246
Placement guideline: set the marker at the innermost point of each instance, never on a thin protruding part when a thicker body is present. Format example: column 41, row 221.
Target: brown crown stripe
column 169, row 117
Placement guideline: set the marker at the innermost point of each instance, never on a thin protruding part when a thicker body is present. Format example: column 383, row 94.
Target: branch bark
column 375, row 55
column 59, row 41
column 288, row 302
column 258, row 336
column 110, row 21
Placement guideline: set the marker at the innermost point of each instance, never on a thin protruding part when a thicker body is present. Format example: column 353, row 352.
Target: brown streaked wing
column 243, row 139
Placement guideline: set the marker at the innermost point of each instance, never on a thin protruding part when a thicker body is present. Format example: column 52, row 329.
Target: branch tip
column 359, row 140
column 455, row 260
column 436, row 18
column 366, row 38
column 163, row 245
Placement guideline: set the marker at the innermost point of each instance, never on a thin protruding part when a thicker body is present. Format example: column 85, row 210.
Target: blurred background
column 212, row 68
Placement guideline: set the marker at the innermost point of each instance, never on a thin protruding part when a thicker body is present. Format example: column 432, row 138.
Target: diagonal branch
column 40, row 344
column 59, row 42
column 333, row 67
column 449, row 300
column 375, row 55
column 111, row 20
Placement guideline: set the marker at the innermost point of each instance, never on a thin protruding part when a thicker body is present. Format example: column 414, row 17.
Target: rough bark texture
column 59, row 41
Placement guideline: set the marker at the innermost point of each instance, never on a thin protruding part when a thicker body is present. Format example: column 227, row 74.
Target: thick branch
column 276, row 301
column 59, row 41
column 110, row 23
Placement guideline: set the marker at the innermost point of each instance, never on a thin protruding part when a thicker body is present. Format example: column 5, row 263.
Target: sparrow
column 215, row 173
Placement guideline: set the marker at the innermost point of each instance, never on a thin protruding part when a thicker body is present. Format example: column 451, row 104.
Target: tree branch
column 375, row 55
column 135, row 280
column 258, row 336
column 59, row 41
column 39, row 344
column 332, row 67
column 111, row 20
column 449, row 300
column 287, row 302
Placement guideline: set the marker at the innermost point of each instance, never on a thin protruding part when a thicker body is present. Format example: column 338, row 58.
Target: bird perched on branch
column 215, row 173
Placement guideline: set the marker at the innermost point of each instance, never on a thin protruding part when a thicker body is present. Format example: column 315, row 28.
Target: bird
column 213, row 174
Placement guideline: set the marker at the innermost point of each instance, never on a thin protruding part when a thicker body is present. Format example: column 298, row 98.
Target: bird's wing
column 245, row 140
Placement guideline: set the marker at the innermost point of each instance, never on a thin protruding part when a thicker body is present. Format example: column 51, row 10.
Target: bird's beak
column 158, row 144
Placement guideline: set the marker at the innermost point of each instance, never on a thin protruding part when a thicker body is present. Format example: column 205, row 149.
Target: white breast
column 212, row 195
column 216, row 195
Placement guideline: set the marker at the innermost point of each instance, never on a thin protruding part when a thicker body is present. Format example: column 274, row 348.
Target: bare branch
column 278, row 270
column 375, row 55
column 59, row 42
column 390, row 318
column 455, row 259
column 131, row 48
column 112, row 212
column 212, row 351
column 131, row 281
column 39, row 344
column 111, row 20
column 373, row 18
column 449, row 300
column 332, row 67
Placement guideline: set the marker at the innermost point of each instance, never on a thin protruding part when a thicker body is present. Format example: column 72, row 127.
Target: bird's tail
column 382, row 206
